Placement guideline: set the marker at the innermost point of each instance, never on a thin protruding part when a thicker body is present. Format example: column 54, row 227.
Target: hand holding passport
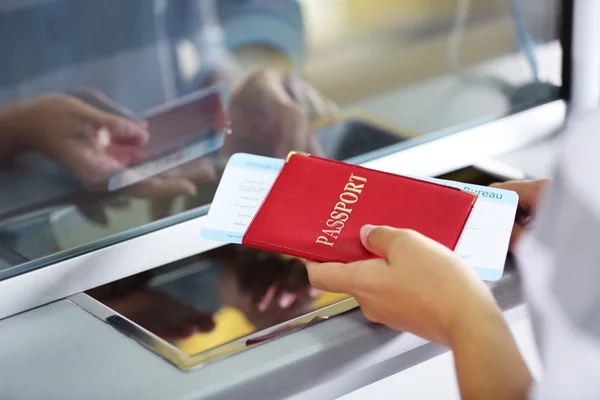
column 314, row 208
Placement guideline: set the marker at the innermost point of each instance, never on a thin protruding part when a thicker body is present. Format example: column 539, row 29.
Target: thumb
column 529, row 192
column 517, row 232
column 332, row 277
column 378, row 239
column 122, row 130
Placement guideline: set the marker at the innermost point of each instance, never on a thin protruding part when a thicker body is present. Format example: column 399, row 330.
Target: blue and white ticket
column 247, row 180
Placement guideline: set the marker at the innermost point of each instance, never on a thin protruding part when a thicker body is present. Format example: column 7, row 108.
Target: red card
column 316, row 207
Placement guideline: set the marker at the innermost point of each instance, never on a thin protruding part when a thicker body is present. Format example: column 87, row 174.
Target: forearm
column 12, row 131
column 488, row 362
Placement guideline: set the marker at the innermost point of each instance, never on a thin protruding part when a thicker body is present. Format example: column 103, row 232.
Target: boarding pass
column 247, row 180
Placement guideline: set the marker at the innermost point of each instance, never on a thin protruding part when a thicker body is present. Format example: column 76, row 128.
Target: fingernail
column 364, row 233
column 314, row 292
column 191, row 191
column 103, row 136
column 286, row 300
column 265, row 302
column 262, row 306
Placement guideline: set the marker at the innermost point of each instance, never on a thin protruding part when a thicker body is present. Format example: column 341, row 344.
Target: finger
column 127, row 132
column 181, row 330
column 294, row 132
column 122, row 130
column 315, row 104
column 100, row 101
column 293, row 122
column 341, row 278
column 331, row 108
column 318, row 105
column 286, row 299
column 262, row 276
column 158, row 187
column 95, row 214
column 314, row 147
column 309, row 100
column 378, row 239
column 161, row 208
column 517, row 233
column 204, row 322
column 529, row 191
column 254, row 274
column 275, row 82
column 125, row 154
column 137, row 136
column 314, row 293
column 266, row 300
column 200, row 171
column 118, row 202
column 92, row 168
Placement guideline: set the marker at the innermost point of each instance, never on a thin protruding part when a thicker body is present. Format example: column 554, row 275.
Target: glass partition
column 117, row 118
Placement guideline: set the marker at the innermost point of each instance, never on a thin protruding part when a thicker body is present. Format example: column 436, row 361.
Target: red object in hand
column 316, row 207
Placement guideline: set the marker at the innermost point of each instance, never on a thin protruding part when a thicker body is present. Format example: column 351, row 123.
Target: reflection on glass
column 215, row 298
column 109, row 133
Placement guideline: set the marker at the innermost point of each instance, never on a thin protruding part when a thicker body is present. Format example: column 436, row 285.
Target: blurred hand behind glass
column 268, row 288
column 165, row 185
column 90, row 143
column 94, row 138
column 270, row 115
column 198, row 173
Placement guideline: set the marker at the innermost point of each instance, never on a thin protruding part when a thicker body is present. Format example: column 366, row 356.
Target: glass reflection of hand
column 93, row 138
column 86, row 135
column 197, row 173
column 162, row 315
column 92, row 144
column 270, row 115
column 162, row 186
column 267, row 287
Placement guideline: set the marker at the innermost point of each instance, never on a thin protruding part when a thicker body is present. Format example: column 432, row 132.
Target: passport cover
column 316, row 207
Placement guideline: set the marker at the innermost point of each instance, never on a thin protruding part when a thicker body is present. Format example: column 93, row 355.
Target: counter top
column 68, row 353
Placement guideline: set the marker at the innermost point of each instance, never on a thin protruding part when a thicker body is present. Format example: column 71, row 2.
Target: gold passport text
column 342, row 210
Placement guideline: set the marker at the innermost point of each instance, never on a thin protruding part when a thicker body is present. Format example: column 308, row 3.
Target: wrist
column 486, row 357
column 15, row 127
column 479, row 316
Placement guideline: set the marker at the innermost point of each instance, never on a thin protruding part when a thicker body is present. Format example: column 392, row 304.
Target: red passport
column 316, row 207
